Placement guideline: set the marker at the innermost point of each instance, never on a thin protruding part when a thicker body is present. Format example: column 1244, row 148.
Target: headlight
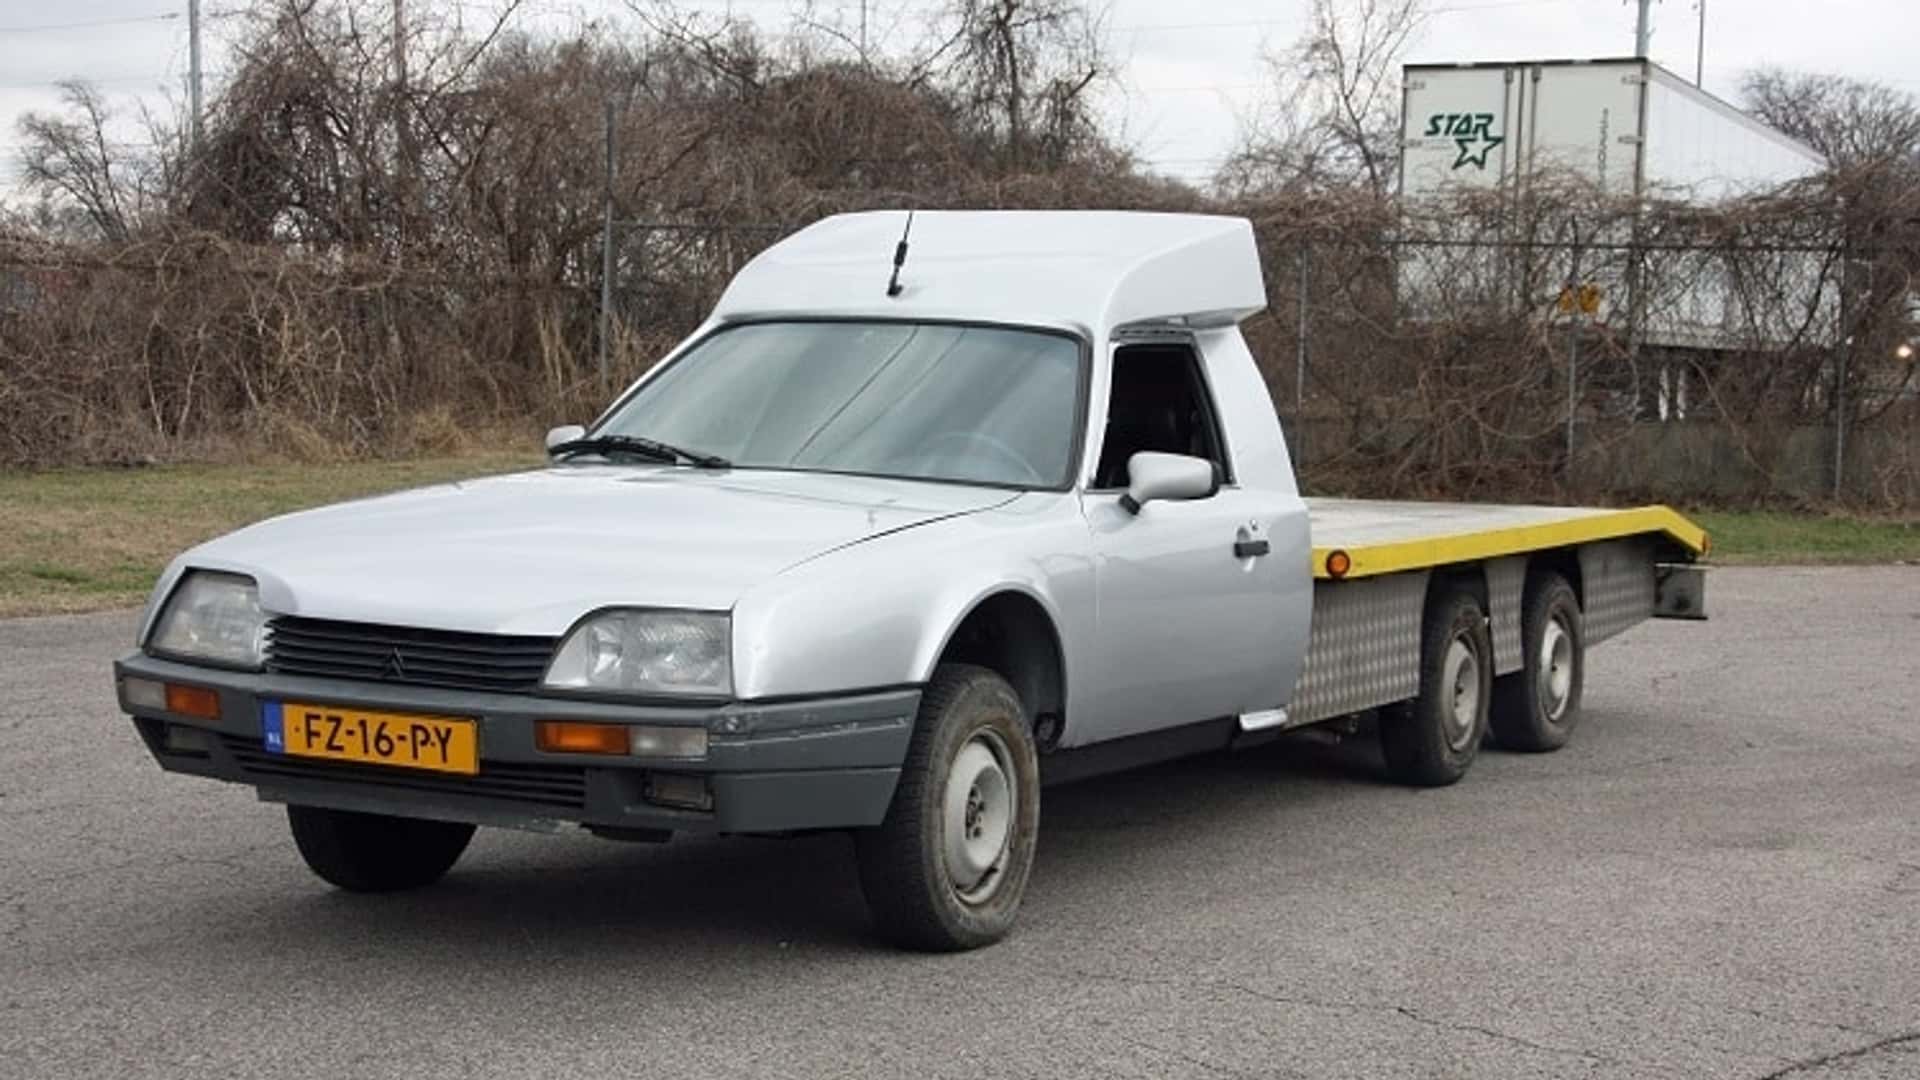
column 213, row 617
column 647, row 652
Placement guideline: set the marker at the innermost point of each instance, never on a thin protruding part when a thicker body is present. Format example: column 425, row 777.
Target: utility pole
column 606, row 254
column 1642, row 31
column 863, row 31
column 407, row 176
column 1700, row 50
column 400, row 44
column 193, row 72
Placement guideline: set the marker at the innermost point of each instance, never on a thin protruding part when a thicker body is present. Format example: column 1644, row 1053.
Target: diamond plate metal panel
column 1617, row 586
column 1364, row 649
column 1506, row 587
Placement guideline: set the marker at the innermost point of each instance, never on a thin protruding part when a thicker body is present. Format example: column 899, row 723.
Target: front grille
column 554, row 786
column 407, row 655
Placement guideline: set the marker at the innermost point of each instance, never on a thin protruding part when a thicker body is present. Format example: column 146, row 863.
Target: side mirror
column 565, row 433
column 1154, row 475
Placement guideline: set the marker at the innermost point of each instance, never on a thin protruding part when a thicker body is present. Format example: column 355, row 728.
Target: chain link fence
column 1559, row 368
column 1422, row 366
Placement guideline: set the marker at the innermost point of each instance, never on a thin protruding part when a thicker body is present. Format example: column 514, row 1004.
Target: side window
column 1159, row 402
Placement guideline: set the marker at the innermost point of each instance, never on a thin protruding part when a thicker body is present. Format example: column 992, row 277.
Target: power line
column 1241, row 24
column 124, row 20
column 35, row 85
column 1452, row 8
column 1199, row 88
column 112, row 144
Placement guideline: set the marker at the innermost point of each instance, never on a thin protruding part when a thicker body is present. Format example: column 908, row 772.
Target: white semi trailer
column 1632, row 131
column 1630, row 127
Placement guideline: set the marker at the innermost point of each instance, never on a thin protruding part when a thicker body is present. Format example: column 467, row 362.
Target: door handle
column 1249, row 549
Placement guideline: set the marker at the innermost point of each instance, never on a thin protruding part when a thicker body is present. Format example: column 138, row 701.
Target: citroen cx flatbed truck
column 904, row 530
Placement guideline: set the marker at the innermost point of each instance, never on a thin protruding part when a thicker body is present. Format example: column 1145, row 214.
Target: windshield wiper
column 641, row 446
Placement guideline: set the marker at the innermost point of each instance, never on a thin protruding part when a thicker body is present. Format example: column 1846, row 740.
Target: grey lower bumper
column 815, row 764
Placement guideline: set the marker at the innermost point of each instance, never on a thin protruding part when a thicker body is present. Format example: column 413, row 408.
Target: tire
column 1536, row 708
column 375, row 853
column 947, row 868
column 1432, row 740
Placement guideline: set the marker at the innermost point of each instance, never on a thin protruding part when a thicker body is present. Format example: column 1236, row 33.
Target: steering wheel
column 999, row 449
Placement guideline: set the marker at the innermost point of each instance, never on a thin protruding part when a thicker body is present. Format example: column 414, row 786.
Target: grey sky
column 1190, row 68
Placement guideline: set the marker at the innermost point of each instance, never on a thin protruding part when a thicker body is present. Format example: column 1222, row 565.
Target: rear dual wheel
column 1432, row 740
column 1535, row 709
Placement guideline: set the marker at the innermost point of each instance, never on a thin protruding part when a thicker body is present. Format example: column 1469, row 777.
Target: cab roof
column 1091, row 270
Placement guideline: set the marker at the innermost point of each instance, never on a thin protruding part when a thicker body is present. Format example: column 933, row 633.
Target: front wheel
column 375, row 852
column 947, row 868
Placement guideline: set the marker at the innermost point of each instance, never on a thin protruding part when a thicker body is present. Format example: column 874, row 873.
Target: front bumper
column 814, row 764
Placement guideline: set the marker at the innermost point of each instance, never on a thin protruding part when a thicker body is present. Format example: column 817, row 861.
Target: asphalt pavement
column 1720, row 877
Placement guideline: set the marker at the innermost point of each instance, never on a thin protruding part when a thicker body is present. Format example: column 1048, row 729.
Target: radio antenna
column 900, row 257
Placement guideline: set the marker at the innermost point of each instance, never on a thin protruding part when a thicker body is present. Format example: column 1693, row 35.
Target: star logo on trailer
column 1471, row 132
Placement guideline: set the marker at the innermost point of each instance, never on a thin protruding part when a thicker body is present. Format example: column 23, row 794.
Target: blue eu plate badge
column 273, row 729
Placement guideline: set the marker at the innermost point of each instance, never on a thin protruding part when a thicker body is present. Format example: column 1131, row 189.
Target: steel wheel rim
column 978, row 814
column 1556, row 668
column 1460, row 676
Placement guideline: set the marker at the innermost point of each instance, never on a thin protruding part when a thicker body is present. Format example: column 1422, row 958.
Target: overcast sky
column 1190, row 69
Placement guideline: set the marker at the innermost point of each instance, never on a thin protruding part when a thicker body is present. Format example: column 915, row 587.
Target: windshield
column 920, row 400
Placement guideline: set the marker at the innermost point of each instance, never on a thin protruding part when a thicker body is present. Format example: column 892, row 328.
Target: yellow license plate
column 340, row 733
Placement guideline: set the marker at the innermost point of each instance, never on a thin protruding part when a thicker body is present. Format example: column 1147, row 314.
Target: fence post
column 1573, row 351
column 1840, row 418
column 1849, row 332
column 1300, row 361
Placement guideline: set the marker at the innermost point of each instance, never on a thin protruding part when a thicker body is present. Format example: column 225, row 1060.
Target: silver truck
column 907, row 529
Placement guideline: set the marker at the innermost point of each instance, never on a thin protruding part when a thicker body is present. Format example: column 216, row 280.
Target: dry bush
column 185, row 339
column 359, row 263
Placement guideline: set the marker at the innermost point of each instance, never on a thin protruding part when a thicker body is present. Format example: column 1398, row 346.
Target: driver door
column 1187, row 606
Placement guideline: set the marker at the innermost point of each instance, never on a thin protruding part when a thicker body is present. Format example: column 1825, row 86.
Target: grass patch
column 86, row 539
column 1771, row 536
column 59, row 575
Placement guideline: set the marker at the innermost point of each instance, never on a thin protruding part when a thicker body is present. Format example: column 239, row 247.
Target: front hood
column 529, row 553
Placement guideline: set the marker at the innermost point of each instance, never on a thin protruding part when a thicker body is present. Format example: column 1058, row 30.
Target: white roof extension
column 1091, row 270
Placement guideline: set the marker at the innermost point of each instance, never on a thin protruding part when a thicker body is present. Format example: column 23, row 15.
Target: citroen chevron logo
column 396, row 668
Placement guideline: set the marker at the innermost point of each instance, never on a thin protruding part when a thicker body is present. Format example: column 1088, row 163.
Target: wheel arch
column 1471, row 576
column 1015, row 633
column 1564, row 561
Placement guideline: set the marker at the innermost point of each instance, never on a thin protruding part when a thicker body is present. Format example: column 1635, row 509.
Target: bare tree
column 1335, row 118
column 1024, row 71
column 69, row 158
column 1870, row 135
column 1853, row 122
column 860, row 30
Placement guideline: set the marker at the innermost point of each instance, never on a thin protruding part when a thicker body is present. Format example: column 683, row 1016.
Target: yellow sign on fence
column 1582, row 300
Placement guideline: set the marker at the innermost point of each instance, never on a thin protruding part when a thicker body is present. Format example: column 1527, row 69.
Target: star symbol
column 1478, row 157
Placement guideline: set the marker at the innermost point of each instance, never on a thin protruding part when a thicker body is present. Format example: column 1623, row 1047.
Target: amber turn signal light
column 1338, row 564
column 574, row 737
column 193, row 701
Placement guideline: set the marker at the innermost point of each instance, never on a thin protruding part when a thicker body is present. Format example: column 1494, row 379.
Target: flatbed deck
column 1388, row 537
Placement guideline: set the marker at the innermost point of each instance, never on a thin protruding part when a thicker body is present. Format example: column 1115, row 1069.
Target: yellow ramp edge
column 1373, row 559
